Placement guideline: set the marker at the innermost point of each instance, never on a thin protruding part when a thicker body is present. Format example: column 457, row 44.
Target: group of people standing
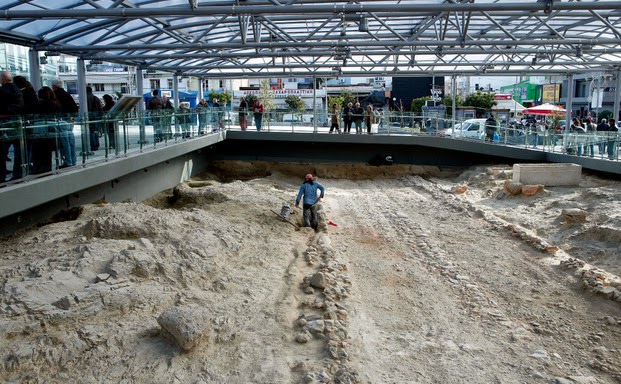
column 353, row 115
column 161, row 112
column 258, row 109
column 584, row 135
column 39, row 124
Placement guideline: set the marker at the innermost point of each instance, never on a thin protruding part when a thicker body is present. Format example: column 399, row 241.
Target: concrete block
column 186, row 326
column 548, row 174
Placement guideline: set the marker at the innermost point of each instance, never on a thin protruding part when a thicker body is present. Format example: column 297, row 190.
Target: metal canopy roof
column 279, row 38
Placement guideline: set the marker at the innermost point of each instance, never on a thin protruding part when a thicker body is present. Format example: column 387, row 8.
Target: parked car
column 472, row 129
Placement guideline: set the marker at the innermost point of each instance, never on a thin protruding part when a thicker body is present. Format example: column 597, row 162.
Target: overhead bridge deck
column 140, row 175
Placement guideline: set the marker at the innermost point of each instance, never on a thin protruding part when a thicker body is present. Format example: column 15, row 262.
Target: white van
column 472, row 129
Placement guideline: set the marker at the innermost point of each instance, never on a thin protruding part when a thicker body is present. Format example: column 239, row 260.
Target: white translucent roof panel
column 324, row 38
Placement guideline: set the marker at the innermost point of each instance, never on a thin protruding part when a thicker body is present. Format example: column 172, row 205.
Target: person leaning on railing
column 579, row 133
column 110, row 124
column 243, row 117
column 154, row 106
column 11, row 107
column 613, row 132
column 46, row 129
column 167, row 114
column 25, row 139
column 348, row 117
column 491, row 125
column 358, row 116
column 95, row 114
column 69, row 111
column 369, row 118
column 591, row 136
column 183, row 118
column 258, row 109
column 334, row 119
column 602, row 136
column 551, row 135
column 217, row 115
column 201, row 111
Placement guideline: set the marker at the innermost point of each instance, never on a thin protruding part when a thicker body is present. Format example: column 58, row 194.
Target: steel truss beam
column 229, row 38
column 306, row 9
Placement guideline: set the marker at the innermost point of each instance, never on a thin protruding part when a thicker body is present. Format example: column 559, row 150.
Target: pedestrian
column 183, row 119
column 369, row 118
column 579, row 136
column 109, row 129
column 335, row 119
column 358, row 116
column 154, row 106
column 602, row 136
column 201, row 110
column 258, row 109
column 67, row 103
column 348, row 117
column 95, row 109
column 243, row 117
column 167, row 113
column 612, row 138
column 48, row 128
column 217, row 115
column 11, row 107
column 490, row 129
column 69, row 110
column 591, row 129
column 31, row 109
column 309, row 191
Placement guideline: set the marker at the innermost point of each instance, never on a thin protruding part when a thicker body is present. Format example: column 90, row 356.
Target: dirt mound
column 410, row 282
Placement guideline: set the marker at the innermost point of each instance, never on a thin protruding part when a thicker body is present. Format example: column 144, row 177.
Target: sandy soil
column 426, row 277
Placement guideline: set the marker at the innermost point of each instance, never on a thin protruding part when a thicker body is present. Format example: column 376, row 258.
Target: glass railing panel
column 43, row 146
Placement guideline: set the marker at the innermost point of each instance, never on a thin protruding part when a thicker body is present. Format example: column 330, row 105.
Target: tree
column 448, row 102
column 481, row 101
column 295, row 103
column 338, row 100
column 417, row 104
column 266, row 97
column 223, row 97
column 348, row 97
column 251, row 99
column 605, row 114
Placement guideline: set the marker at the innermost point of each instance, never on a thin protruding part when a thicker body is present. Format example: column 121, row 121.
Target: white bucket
column 285, row 211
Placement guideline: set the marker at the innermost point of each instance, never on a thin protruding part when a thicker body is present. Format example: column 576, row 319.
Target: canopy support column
column 314, row 104
column 454, row 102
column 176, row 90
column 570, row 101
column 617, row 95
column 140, row 88
column 35, row 69
column 141, row 107
column 201, row 89
column 83, row 101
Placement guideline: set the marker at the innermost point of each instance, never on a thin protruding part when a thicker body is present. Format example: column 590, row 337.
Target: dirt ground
column 416, row 275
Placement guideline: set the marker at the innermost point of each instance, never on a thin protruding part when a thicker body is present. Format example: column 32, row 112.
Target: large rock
column 186, row 326
column 319, row 280
column 573, row 215
column 459, row 189
column 531, row 190
column 512, row 187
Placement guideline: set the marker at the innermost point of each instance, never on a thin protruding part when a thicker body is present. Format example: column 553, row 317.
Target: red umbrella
column 545, row 109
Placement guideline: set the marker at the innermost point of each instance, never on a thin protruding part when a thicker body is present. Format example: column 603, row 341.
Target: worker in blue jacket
column 309, row 191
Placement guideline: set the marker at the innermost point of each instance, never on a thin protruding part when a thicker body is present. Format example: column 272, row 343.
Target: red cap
column 309, row 177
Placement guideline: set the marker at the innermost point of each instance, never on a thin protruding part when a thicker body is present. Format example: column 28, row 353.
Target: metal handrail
column 71, row 139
